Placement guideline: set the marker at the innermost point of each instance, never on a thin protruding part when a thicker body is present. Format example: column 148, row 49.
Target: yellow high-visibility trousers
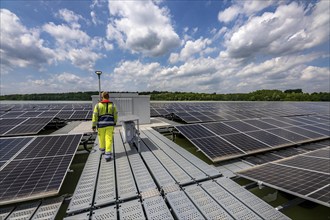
column 105, row 138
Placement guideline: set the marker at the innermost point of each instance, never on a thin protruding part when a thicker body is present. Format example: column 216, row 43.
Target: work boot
column 108, row 156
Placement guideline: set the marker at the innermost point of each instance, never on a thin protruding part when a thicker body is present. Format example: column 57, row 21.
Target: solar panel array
column 196, row 112
column 27, row 119
column 278, row 154
column 22, row 126
column 34, row 167
column 61, row 111
column 306, row 175
column 230, row 139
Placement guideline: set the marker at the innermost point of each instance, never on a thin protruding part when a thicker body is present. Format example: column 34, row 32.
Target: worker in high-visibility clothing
column 104, row 119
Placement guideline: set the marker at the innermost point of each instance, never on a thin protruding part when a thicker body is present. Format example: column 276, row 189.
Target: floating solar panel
column 162, row 111
column 216, row 148
column 39, row 169
column 12, row 114
column 89, row 115
column 322, row 153
column 48, row 114
column 64, row 114
column 79, row 115
column 275, row 122
column 48, row 146
column 268, row 138
column 259, row 124
column 201, row 116
column 195, row 131
column 11, row 121
column 5, row 128
column 305, row 176
column 309, row 162
column 249, row 136
column 294, row 137
column 317, row 128
column 220, row 128
column 245, row 143
column 28, row 126
column 186, row 117
column 30, row 114
column 10, row 146
column 241, row 126
column 305, row 132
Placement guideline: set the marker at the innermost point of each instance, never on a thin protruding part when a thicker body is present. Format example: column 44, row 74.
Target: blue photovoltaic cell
column 22, row 178
column 51, row 146
column 245, row 142
column 275, row 122
column 287, row 135
column 269, row 138
column 259, row 124
column 305, row 132
column 194, row 131
column 241, row 126
column 216, row 147
column 10, row 146
column 220, row 128
column 39, row 169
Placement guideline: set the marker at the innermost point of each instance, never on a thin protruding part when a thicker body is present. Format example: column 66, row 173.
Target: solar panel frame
column 275, row 122
column 241, row 126
column 37, row 183
column 322, row 153
column 5, row 129
column 194, row 131
column 294, row 137
column 246, row 143
column 29, row 114
column 220, row 128
column 282, row 178
column 10, row 146
column 79, row 115
column 11, row 121
column 46, row 174
column 223, row 149
column 259, row 124
column 308, row 163
column 322, row 195
column 39, row 146
column 316, row 129
column 12, row 114
column 305, row 132
column 269, row 138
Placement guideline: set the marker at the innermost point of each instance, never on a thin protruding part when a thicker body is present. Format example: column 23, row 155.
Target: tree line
column 259, row 95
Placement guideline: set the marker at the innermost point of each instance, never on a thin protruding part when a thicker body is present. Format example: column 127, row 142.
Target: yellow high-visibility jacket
column 100, row 110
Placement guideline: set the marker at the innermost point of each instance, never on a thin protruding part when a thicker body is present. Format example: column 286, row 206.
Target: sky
column 189, row 46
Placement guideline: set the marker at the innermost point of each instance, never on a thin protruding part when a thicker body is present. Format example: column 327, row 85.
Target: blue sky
column 194, row 46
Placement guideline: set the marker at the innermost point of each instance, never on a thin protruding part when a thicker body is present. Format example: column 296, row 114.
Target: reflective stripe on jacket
column 103, row 118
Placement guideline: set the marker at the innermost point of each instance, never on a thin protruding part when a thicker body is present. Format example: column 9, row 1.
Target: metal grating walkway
column 161, row 182
column 43, row 209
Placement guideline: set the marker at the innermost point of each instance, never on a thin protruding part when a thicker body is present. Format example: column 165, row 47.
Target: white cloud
column 246, row 7
column 191, row 48
column 316, row 73
column 83, row 58
column 276, row 66
column 229, row 14
column 141, row 27
column 70, row 17
column 289, row 29
column 20, row 46
column 65, row 35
